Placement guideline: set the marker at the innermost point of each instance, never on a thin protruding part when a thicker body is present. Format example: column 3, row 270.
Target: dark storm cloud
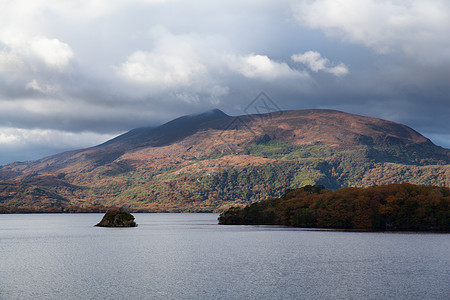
column 74, row 73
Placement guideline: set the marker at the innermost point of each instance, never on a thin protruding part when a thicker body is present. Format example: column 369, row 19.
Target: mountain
column 211, row 161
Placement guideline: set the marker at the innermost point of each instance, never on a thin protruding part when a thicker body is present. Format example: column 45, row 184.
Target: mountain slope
column 211, row 160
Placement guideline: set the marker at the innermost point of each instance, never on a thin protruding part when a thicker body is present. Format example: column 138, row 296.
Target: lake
column 189, row 256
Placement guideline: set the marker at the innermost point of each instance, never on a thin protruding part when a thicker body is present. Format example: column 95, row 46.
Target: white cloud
column 180, row 68
column 10, row 62
column 25, row 12
column 42, row 88
column 43, row 107
column 53, row 52
column 17, row 144
column 315, row 62
column 414, row 27
column 161, row 69
column 9, row 139
column 53, row 138
column 217, row 92
column 23, row 59
column 199, row 62
column 174, row 60
column 34, row 85
column 261, row 67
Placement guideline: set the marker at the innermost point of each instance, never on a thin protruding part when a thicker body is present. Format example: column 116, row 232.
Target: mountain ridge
column 210, row 160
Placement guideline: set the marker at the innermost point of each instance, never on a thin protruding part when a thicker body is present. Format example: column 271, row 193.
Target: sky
column 76, row 73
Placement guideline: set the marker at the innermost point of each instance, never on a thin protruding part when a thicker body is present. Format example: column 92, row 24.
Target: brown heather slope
column 210, row 161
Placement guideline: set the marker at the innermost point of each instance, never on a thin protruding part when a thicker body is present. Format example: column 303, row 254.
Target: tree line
column 387, row 207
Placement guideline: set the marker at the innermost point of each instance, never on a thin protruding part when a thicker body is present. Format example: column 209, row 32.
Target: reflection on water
column 189, row 256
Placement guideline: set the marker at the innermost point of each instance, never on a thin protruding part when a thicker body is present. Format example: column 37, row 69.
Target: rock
column 117, row 218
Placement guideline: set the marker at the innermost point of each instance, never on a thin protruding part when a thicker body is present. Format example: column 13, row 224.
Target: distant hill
column 210, row 161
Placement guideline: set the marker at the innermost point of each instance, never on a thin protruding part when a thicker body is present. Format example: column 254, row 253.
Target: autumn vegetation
column 387, row 207
column 210, row 162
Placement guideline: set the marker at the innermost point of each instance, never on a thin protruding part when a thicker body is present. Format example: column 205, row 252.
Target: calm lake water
column 189, row 256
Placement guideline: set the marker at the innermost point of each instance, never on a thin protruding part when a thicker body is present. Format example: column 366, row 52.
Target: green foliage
column 277, row 149
column 412, row 154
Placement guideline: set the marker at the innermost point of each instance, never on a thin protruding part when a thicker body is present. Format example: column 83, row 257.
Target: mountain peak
column 170, row 129
column 213, row 113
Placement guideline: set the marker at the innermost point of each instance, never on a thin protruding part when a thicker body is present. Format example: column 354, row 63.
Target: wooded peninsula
column 392, row 207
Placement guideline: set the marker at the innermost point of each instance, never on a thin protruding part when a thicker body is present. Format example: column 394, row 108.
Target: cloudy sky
column 75, row 73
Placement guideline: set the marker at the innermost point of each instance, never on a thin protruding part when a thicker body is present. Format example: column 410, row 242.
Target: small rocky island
column 117, row 218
